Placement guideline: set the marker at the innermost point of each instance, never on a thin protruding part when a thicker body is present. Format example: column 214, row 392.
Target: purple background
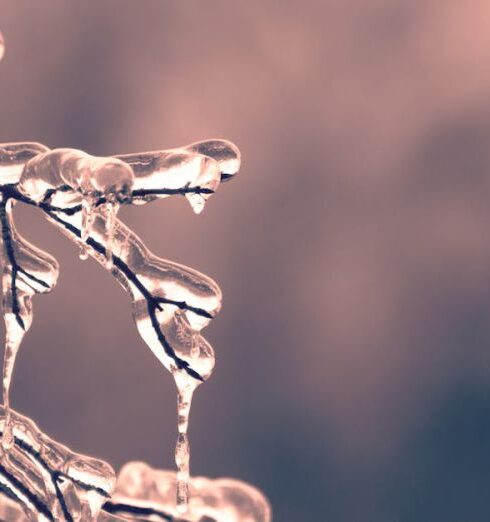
column 353, row 369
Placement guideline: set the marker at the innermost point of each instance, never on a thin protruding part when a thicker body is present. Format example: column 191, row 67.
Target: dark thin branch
column 141, row 193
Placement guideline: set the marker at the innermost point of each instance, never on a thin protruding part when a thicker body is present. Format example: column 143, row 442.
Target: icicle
column 112, row 207
column 197, row 202
column 88, row 208
column 185, row 388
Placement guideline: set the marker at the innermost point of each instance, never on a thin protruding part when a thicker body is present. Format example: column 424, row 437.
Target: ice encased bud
column 63, row 176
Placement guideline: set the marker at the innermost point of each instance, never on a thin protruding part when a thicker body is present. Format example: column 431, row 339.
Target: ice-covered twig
column 171, row 303
column 57, row 182
column 143, row 493
column 81, row 195
column 47, row 480
column 26, row 271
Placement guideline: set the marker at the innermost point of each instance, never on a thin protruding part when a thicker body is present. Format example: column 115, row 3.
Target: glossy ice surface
column 81, row 195
column 143, row 493
column 42, row 480
column 171, row 303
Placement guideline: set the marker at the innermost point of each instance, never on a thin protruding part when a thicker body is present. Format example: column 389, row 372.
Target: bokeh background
column 353, row 250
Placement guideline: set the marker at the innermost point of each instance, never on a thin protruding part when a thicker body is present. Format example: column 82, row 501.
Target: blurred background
column 353, row 371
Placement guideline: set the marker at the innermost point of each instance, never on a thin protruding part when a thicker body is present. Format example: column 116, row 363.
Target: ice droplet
column 13, row 339
column 62, row 177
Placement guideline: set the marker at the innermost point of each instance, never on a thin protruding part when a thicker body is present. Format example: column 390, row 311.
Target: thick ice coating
column 194, row 171
column 67, row 177
column 81, row 194
column 143, row 493
column 26, row 271
column 45, row 481
column 171, row 303
column 75, row 174
column 14, row 156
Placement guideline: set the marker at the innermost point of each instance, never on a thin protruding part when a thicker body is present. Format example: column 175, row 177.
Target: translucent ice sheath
column 45, row 481
column 2, row 46
column 80, row 194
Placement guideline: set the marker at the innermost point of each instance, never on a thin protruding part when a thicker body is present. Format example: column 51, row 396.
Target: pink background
column 353, row 250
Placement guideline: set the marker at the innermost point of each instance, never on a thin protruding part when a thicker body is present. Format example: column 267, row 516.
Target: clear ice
column 171, row 303
column 143, row 493
column 40, row 479
column 44, row 481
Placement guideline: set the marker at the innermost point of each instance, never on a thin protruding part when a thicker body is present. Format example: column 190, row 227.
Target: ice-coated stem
column 2, row 46
column 185, row 388
column 88, row 207
column 81, row 195
column 25, row 271
column 112, row 207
